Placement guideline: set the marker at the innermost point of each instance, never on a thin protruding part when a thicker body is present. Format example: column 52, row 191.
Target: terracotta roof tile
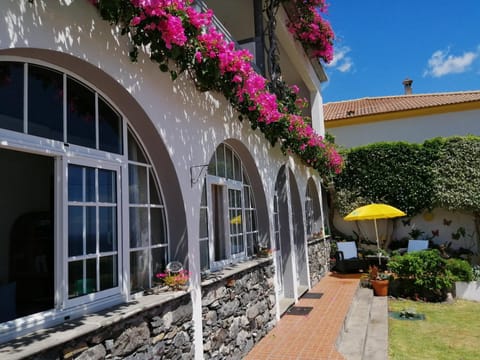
column 380, row 105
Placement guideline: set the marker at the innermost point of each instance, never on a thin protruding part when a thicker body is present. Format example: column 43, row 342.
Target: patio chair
column 417, row 245
column 347, row 258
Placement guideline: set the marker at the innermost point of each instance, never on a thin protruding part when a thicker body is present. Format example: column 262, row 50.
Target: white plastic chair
column 348, row 248
column 417, row 245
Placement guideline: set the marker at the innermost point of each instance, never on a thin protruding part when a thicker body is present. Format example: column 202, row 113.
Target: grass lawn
column 450, row 331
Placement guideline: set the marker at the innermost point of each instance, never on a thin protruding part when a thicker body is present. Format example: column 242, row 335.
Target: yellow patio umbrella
column 374, row 212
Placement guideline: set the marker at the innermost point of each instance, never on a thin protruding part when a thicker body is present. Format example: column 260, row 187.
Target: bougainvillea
column 181, row 38
column 311, row 29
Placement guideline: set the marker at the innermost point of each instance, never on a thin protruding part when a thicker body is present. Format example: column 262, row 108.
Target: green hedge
column 441, row 172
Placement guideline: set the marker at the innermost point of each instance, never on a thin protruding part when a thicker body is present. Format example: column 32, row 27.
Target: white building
column 412, row 118
column 111, row 171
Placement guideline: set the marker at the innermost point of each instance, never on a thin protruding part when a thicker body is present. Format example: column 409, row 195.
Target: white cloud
column 341, row 61
column 442, row 63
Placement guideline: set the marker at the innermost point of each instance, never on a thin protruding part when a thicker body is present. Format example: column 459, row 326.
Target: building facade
column 112, row 172
column 413, row 118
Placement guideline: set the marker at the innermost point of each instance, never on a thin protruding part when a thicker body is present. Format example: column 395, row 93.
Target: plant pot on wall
column 380, row 287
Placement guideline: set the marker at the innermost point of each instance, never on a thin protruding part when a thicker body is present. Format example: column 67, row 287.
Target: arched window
column 228, row 217
column 313, row 216
column 82, row 211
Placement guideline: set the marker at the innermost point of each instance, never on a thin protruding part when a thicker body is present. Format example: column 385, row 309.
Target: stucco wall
column 179, row 126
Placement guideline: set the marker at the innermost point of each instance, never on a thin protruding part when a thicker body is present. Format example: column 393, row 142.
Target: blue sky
column 436, row 43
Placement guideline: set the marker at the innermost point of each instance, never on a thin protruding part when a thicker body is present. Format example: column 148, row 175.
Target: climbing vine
column 182, row 39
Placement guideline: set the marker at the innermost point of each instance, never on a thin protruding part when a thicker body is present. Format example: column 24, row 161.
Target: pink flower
column 172, row 31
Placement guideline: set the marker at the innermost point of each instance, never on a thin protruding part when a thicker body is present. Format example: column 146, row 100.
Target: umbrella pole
column 378, row 242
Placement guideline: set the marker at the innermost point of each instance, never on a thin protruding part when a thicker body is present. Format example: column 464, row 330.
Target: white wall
column 191, row 124
column 416, row 129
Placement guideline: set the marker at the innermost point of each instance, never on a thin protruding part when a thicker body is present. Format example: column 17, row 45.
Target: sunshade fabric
column 374, row 211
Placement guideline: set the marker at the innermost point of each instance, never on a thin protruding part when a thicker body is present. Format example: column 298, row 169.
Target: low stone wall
column 161, row 332
column 318, row 259
column 238, row 311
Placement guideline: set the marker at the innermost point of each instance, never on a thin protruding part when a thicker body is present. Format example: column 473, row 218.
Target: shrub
column 476, row 273
column 460, row 269
column 421, row 274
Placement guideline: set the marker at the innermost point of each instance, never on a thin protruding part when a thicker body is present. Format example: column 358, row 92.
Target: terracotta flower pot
column 380, row 287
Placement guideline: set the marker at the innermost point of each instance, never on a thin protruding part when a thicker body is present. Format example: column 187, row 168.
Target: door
column 92, row 231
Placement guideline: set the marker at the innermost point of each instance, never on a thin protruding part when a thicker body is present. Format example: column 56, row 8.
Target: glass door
column 93, row 231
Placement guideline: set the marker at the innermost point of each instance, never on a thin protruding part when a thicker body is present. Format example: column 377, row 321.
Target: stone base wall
column 318, row 259
column 161, row 332
column 237, row 312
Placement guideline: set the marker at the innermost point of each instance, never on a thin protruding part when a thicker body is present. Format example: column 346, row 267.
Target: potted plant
column 174, row 280
column 379, row 281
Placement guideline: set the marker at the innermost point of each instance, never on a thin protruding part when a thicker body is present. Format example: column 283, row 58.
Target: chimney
column 407, row 84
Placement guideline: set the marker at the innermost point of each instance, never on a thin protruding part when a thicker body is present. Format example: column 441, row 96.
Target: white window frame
column 226, row 184
column 92, row 297
column 63, row 154
column 149, row 171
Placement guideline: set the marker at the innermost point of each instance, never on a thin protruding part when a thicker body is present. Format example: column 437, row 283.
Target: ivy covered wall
column 416, row 178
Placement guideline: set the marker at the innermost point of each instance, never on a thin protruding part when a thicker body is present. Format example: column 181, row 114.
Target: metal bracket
column 196, row 172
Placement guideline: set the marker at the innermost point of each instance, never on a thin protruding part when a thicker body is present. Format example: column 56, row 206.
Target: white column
column 316, row 103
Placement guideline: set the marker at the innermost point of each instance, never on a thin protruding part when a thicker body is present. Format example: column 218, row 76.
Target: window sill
column 45, row 339
column 233, row 269
column 318, row 239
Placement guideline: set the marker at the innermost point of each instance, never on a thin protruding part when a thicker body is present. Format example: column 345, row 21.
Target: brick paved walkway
column 312, row 336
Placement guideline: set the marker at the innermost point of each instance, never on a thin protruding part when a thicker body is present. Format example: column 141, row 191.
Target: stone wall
column 318, row 259
column 160, row 332
column 238, row 311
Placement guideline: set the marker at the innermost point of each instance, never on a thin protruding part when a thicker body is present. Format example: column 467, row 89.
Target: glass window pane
column 75, row 279
column 221, row 161
column 138, row 227
column 78, row 284
column 139, row 274
column 228, row 163
column 155, row 198
column 251, row 240
column 248, row 215
column 108, row 272
column 158, row 226
column 91, row 281
column 75, row 183
column 203, row 223
column 80, row 114
column 203, row 201
column 108, row 229
column 45, row 103
column 90, row 184
column 135, row 153
column 212, row 166
column 231, row 198
column 237, row 168
column 137, row 184
column 107, row 186
column 75, row 230
column 159, row 260
column 246, row 195
column 91, row 227
column 11, row 93
column 204, row 256
column 109, row 128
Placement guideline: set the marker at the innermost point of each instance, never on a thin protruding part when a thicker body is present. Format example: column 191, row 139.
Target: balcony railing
column 248, row 44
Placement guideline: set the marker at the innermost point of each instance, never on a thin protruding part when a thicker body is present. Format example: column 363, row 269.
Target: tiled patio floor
column 312, row 336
